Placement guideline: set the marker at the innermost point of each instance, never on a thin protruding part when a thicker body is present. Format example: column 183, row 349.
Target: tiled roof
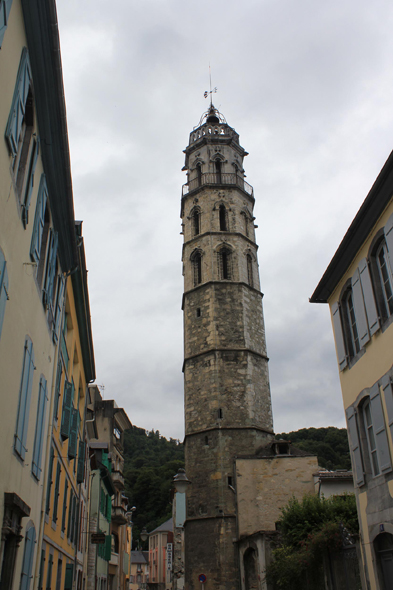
column 164, row 527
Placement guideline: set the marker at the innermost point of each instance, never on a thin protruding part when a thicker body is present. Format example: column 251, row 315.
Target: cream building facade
column 358, row 286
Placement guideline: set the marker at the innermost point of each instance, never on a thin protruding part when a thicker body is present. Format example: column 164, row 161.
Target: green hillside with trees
column 151, row 461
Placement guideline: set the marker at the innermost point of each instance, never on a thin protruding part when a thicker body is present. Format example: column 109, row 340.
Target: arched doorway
column 383, row 545
column 250, row 560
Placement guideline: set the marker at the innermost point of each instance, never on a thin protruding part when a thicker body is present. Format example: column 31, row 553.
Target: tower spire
column 206, row 93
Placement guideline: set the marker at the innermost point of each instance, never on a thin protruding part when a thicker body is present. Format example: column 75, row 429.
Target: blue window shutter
column 24, row 399
column 355, row 447
column 39, row 221
column 51, row 268
column 379, row 429
column 58, row 308
column 30, row 182
column 72, row 443
column 28, row 555
column 57, row 492
column 386, row 385
column 388, row 229
column 81, row 462
column 57, row 389
column 67, row 407
column 3, row 288
column 368, row 295
column 18, row 107
column 338, row 336
column 49, row 487
column 5, row 7
column 39, row 432
column 360, row 312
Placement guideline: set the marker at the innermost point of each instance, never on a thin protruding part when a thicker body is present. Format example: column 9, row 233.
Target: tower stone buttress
column 227, row 394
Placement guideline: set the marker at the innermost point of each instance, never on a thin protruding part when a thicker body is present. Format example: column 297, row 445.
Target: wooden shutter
column 67, row 408
column 58, row 308
column 357, row 462
column 49, row 487
column 42, row 566
column 39, row 221
column 49, row 575
column 69, row 574
column 64, row 515
column 108, row 547
column 18, row 107
column 57, row 389
column 30, row 182
column 3, row 288
column 57, row 492
column 50, row 268
column 24, row 399
column 80, row 474
column 69, row 525
column 379, row 429
column 339, row 336
column 386, row 385
column 360, row 312
column 39, row 431
column 73, row 441
column 368, row 296
column 28, row 555
column 388, row 229
column 108, row 507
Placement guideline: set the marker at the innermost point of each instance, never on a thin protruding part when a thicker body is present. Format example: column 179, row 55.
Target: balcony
column 214, row 179
column 119, row 515
column 118, row 479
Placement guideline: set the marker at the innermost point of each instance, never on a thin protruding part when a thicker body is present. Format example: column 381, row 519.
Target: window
column 58, row 577
column 250, row 270
column 49, row 488
column 386, row 280
column 217, row 165
column 24, row 399
column 57, row 492
column 28, row 555
column 3, row 288
column 196, row 260
column 49, row 574
column 199, row 174
column 5, row 7
column 225, row 264
column 73, row 441
column 65, row 503
column 372, row 447
column 195, row 221
column 69, row 576
column 66, row 415
column 57, row 389
column 39, row 431
column 350, row 324
column 41, row 220
column 223, row 217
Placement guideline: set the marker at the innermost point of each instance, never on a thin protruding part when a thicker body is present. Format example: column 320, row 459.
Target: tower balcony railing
column 213, row 178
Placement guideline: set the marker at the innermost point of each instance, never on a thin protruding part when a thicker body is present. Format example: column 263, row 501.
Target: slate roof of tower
column 164, row 527
column 138, row 557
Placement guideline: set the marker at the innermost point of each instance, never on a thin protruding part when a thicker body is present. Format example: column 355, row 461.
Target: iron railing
column 218, row 178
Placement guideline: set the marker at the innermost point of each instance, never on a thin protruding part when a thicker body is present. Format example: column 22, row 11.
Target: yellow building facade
column 358, row 285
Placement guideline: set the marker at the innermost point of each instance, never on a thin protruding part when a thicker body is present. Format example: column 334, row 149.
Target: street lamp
column 180, row 481
column 144, row 534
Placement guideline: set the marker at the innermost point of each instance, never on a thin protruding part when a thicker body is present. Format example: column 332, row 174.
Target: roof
column 340, row 474
column 138, row 557
column 164, row 527
column 372, row 208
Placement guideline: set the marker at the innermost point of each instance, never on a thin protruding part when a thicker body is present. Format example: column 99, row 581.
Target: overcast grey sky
column 308, row 85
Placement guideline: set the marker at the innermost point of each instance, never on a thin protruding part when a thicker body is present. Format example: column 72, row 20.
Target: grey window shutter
column 389, row 238
column 39, row 221
column 339, row 336
column 360, row 312
column 368, row 295
column 5, row 7
column 30, row 182
column 51, row 268
column 67, row 408
column 386, row 385
column 24, row 399
column 27, row 564
column 18, row 107
column 355, row 447
column 379, row 429
column 3, row 288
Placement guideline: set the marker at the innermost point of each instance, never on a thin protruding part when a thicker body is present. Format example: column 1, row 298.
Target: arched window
column 217, row 164
column 386, row 279
column 369, row 428
column 196, row 222
column 250, row 277
column 28, row 555
column 225, row 264
column 199, row 174
column 196, row 260
column 350, row 325
column 223, row 216
column 250, row 569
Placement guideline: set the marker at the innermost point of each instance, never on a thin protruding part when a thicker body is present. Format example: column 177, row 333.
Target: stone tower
column 227, row 396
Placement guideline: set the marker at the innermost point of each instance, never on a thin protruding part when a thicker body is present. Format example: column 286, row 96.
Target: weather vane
column 206, row 93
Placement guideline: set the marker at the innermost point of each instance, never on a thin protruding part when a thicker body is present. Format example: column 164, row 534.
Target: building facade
column 161, row 556
column 139, row 573
column 227, row 394
column 358, row 286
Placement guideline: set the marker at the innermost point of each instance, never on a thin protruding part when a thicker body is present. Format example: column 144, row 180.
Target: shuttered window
column 67, row 409
column 3, row 288
column 64, row 515
column 378, row 424
column 80, row 474
column 58, row 307
column 18, row 108
column 108, row 508
column 355, row 447
column 28, row 556
column 57, row 492
column 39, row 221
column 108, row 547
column 5, row 7
column 30, row 181
column 368, row 297
column 57, row 389
column 50, row 269
column 386, row 385
column 73, row 441
column 49, row 575
column 49, row 486
column 42, row 567
column 69, row 576
column 24, row 398
column 357, row 315
column 39, row 431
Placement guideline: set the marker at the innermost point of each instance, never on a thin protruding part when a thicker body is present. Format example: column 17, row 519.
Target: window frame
column 25, row 391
